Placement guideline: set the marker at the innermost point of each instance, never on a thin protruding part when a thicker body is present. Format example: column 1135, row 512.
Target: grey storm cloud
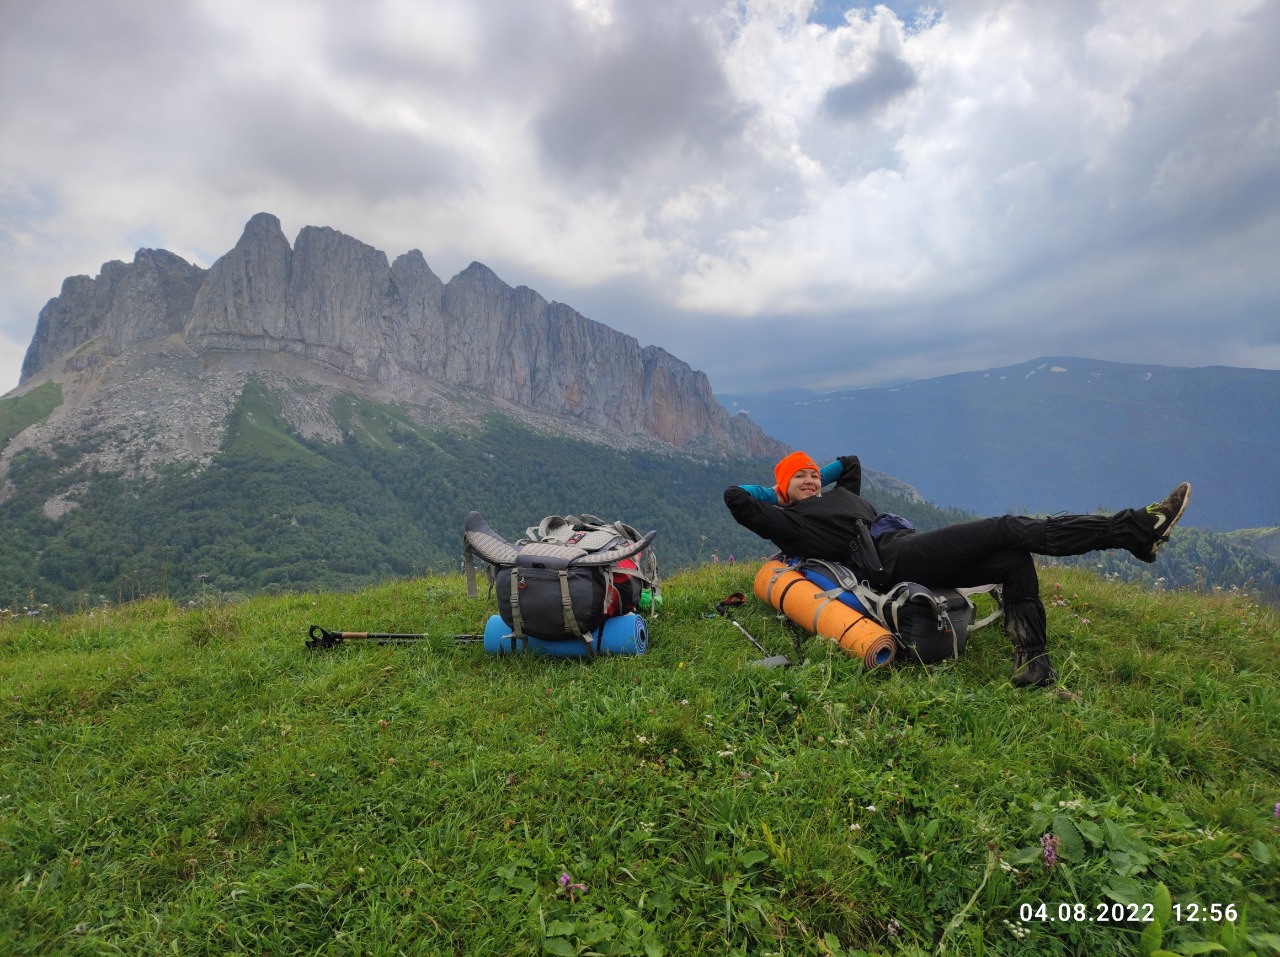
column 307, row 142
column 630, row 95
column 887, row 78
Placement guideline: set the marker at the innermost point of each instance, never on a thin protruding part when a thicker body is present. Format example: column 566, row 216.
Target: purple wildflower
column 568, row 886
column 1050, row 845
column 1277, row 808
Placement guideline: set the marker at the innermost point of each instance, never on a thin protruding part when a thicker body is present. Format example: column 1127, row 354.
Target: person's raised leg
column 1140, row 531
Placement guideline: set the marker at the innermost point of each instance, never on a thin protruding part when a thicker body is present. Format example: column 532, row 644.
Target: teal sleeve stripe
column 763, row 493
column 831, row 472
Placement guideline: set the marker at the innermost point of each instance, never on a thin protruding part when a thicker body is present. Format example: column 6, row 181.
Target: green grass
column 259, row 430
column 19, row 412
column 193, row 780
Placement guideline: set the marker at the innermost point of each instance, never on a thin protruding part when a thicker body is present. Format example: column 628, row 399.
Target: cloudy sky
column 782, row 193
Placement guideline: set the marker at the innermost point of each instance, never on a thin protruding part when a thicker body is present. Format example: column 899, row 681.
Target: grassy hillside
column 193, row 780
column 19, row 412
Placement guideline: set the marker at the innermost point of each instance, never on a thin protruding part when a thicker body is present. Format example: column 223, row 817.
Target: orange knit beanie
column 788, row 467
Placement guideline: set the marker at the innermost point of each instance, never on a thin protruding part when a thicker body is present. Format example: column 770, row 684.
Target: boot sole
column 1150, row 555
column 1159, row 543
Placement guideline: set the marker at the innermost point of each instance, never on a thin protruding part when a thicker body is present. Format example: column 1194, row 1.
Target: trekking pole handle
column 323, row 638
column 736, row 600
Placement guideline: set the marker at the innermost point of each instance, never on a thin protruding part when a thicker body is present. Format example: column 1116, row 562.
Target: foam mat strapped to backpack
column 815, row 610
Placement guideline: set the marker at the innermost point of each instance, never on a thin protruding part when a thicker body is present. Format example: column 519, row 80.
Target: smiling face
column 806, row 483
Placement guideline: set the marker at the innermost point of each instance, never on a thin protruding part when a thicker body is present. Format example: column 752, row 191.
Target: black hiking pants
column 999, row 550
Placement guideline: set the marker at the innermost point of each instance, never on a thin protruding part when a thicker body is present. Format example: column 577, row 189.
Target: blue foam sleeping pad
column 623, row 635
column 826, row 584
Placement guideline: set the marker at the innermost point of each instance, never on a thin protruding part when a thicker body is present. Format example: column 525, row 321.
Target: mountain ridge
column 337, row 302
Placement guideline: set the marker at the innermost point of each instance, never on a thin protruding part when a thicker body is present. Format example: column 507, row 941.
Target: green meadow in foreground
column 196, row 781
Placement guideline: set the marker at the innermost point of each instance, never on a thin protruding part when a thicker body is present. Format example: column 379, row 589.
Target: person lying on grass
column 803, row 521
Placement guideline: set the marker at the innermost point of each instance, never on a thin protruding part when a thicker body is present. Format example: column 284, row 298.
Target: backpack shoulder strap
column 846, row 580
column 997, row 595
column 479, row 539
column 616, row 554
column 552, row 528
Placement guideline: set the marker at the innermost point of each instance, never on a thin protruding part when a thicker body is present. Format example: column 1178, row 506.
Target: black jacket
column 824, row 526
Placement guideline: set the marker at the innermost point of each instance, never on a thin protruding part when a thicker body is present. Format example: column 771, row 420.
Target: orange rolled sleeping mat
column 812, row 609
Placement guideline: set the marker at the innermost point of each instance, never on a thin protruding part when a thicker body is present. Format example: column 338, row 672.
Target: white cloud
column 11, row 355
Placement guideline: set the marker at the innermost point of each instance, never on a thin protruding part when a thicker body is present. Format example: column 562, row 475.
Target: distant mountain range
column 1056, row 434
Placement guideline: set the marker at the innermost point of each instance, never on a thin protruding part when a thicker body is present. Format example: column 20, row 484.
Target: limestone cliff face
column 337, row 302
column 149, row 299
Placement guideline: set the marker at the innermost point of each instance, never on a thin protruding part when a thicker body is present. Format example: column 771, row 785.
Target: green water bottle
column 648, row 600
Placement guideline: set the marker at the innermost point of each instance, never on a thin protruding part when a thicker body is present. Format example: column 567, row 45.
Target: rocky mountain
column 313, row 416
column 167, row 345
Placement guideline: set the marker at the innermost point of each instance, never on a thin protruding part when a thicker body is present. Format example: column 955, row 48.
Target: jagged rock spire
column 336, row 301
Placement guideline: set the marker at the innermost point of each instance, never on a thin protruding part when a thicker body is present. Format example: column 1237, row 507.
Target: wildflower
column 855, row 826
column 894, row 928
column 1277, row 808
column 1050, row 844
column 728, row 752
column 871, row 809
column 1019, row 930
column 568, row 886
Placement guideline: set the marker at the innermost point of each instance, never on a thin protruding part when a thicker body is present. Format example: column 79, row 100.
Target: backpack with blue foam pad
column 570, row 588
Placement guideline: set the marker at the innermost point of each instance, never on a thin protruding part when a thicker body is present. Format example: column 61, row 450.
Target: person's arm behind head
column 761, row 493
column 847, row 472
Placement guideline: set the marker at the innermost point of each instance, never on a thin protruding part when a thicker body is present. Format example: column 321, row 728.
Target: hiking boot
column 1165, row 515
column 1032, row 668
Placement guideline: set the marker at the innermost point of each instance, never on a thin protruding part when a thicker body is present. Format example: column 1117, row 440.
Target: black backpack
column 563, row 580
column 928, row 624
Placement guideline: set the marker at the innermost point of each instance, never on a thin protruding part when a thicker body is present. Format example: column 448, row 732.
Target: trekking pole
column 736, row 600
column 322, row 638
